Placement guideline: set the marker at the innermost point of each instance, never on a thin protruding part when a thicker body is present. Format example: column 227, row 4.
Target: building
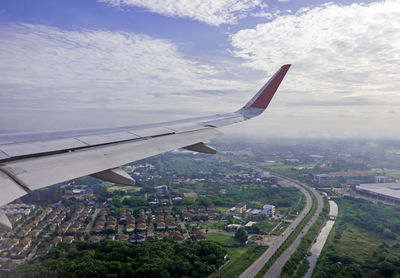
column 380, row 179
column 233, row 227
column 240, row 208
column 269, row 210
column 321, row 178
column 385, row 192
column 249, row 224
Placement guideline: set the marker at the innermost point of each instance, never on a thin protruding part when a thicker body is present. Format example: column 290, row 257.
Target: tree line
column 122, row 259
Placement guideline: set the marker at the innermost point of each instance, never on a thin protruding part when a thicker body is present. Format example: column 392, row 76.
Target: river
column 316, row 248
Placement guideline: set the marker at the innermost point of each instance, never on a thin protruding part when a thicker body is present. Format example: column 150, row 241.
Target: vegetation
column 299, row 256
column 290, row 238
column 241, row 235
column 257, row 196
column 121, row 259
column 221, row 238
column 387, row 172
column 363, row 242
column 240, row 258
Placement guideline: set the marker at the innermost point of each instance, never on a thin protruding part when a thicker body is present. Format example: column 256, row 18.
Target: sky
column 76, row 64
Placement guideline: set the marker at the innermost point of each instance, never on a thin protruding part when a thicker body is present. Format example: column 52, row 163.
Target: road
column 253, row 269
column 276, row 268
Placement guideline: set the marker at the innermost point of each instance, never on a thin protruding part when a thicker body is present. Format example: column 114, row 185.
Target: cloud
column 88, row 67
column 66, row 72
column 332, row 48
column 212, row 12
column 345, row 65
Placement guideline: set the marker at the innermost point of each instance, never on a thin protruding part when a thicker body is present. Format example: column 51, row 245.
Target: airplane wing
column 32, row 161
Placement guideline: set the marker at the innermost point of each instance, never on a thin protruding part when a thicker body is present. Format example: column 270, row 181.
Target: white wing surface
column 32, row 161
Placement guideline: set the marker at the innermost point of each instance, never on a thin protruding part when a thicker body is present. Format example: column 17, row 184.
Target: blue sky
column 77, row 64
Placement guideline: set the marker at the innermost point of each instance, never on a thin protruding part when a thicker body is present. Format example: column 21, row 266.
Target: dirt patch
column 191, row 195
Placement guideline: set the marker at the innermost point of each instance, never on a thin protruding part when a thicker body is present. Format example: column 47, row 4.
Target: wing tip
column 262, row 99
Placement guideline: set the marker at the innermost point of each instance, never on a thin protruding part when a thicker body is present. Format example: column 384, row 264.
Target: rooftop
column 388, row 189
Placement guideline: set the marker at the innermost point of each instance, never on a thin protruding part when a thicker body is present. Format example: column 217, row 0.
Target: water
column 316, row 248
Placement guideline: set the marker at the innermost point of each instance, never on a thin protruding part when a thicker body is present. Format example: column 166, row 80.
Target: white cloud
column 40, row 61
column 45, row 68
column 345, row 58
column 332, row 47
column 213, row 12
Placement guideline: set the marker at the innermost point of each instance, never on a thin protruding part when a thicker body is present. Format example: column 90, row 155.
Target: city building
column 386, row 192
column 269, row 210
column 380, row 179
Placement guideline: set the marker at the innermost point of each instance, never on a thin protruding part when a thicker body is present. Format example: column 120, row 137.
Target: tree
column 241, row 235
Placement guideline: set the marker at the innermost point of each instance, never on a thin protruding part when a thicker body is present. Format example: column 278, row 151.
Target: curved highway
column 276, row 268
column 253, row 269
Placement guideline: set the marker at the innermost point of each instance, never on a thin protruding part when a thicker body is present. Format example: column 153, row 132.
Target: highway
column 275, row 269
column 253, row 269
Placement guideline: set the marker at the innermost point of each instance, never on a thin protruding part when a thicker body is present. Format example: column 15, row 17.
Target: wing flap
column 151, row 131
column 10, row 190
column 99, row 139
column 29, row 148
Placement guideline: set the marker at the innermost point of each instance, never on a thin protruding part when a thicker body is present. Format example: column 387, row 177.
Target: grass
column 218, row 225
column 126, row 188
column 221, row 238
column 387, row 172
column 222, row 209
column 240, row 259
column 358, row 243
column 266, row 226
column 281, row 228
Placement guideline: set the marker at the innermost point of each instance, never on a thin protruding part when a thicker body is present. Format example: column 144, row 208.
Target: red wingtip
column 270, row 88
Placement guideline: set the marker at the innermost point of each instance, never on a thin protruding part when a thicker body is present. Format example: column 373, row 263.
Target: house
column 198, row 235
column 130, row 227
column 187, row 215
column 99, row 228
column 170, row 221
column 176, row 236
column 162, row 236
column 56, row 240
column 240, row 208
column 137, row 238
column 68, row 239
column 233, row 227
column 123, row 237
column 141, row 226
column 160, row 225
column 11, row 243
column 110, row 237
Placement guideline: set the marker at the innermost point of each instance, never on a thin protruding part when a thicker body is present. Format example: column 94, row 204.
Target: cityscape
column 182, row 197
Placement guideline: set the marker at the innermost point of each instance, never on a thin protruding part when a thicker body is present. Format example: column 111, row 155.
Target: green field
column 387, row 172
column 240, row 258
column 364, row 240
column 218, row 225
column 266, row 226
column 280, row 229
column 222, row 209
column 221, row 238
column 126, row 188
